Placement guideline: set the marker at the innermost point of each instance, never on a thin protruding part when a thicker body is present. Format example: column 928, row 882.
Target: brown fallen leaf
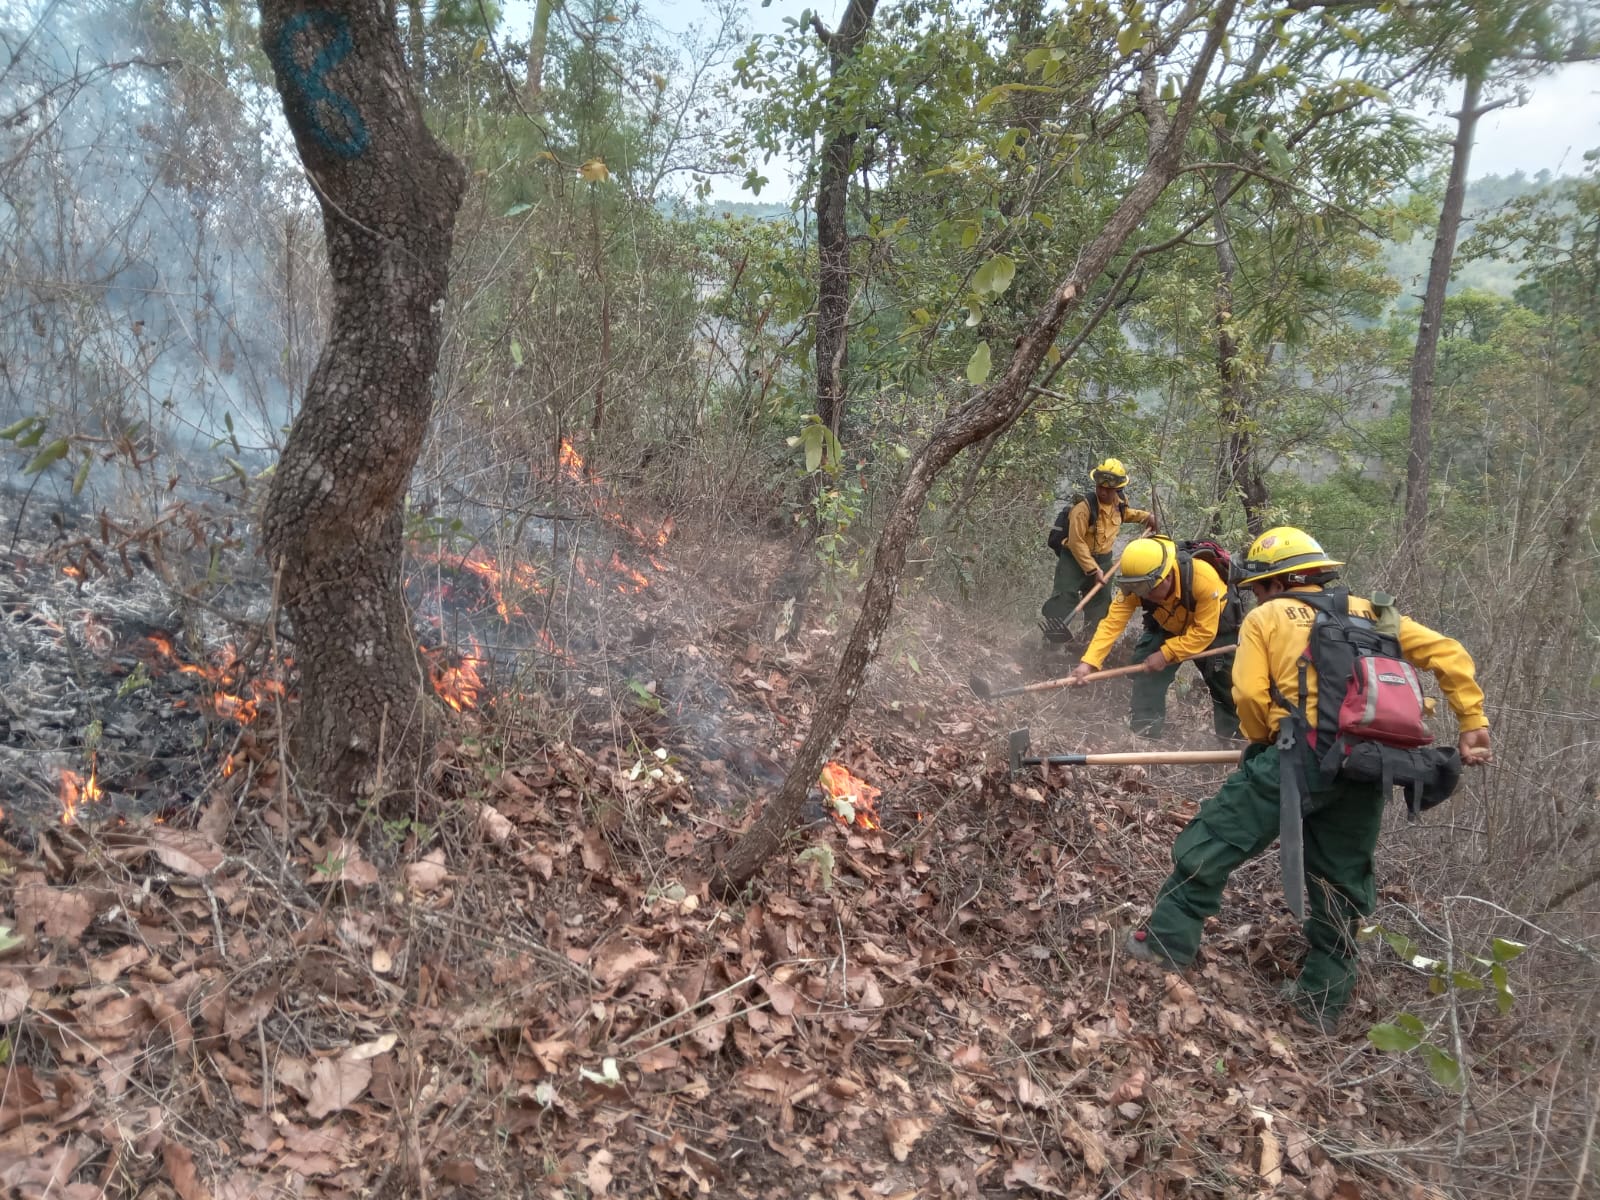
column 181, row 1173
column 185, row 851
column 494, row 824
column 336, row 1083
column 617, row 960
column 1090, row 1144
column 107, row 967
column 1271, row 1168
column 902, row 1133
column 14, row 993
column 429, row 874
column 598, row 1173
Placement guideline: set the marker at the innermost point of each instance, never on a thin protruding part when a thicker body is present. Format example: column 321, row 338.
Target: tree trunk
column 993, row 409
column 536, row 47
column 332, row 523
column 1423, row 358
column 416, row 26
column 1238, row 474
column 603, row 368
column 833, row 235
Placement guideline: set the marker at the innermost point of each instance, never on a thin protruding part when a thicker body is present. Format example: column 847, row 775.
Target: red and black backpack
column 1371, row 716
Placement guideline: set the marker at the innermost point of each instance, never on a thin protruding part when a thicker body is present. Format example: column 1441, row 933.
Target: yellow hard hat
column 1145, row 563
column 1110, row 473
column 1284, row 551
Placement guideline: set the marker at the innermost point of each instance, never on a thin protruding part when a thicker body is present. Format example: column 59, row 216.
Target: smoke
column 158, row 257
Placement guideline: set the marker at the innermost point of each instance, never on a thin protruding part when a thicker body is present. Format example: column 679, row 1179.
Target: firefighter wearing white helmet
column 1083, row 537
column 1187, row 609
column 1316, row 778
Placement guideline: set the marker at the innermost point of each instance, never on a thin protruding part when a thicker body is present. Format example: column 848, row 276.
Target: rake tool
column 1059, row 630
column 981, row 688
column 1017, row 748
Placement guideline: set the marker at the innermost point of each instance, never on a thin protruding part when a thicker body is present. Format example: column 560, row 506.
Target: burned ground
column 214, row 987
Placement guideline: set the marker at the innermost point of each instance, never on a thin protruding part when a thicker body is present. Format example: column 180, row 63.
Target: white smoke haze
column 159, row 256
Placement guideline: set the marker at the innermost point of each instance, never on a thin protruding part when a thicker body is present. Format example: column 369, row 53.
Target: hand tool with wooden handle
column 1019, row 757
column 1064, row 624
column 981, row 687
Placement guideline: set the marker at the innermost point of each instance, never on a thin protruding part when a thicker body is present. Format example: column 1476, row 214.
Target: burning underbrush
column 525, row 987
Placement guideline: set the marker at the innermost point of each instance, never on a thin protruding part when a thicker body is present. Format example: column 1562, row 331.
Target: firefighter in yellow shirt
column 1083, row 537
column 1187, row 609
column 1330, row 821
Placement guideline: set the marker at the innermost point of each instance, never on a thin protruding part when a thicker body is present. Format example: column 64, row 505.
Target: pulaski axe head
column 1017, row 748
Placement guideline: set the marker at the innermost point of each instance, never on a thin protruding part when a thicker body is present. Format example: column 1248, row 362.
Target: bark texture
column 1426, row 355
column 1240, row 474
column 833, row 235
column 332, row 524
column 995, row 408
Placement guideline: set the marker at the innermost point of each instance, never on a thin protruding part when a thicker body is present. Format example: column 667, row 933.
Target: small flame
column 458, row 685
column 227, row 698
column 844, row 789
column 75, row 793
column 571, row 462
column 640, row 582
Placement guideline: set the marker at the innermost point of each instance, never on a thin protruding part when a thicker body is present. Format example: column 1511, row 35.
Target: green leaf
column 1504, row 951
column 1465, row 981
column 8, row 940
column 1410, row 1023
column 53, row 453
column 516, row 210
column 1276, row 152
column 82, row 477
column 978, row 365
column 995, row 275
column 1401, row 945
column 1445, row 1070
column 1393, row 1038
column 1504, row 997
column 992, row 97
column 1129, row 40
column 813, row 446
column 823, row 857
column 16, row 427
column 31, row 437
column 516, row 352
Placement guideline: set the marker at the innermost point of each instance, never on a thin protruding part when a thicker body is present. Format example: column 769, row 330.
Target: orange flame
column 497, row 578
column 458, row 685
column 75, row 793
column 640, row 582
column 571, row 461
column 227, row 698
column 861, row 796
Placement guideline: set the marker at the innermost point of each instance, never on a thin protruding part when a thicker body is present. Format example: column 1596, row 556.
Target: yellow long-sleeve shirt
column 1086, row 543
column 1274, row 636
column 1194, row 621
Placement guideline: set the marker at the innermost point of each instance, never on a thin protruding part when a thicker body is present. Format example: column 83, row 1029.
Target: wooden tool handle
column 1087, row 596
column 1159, row 756
column 1118, row 672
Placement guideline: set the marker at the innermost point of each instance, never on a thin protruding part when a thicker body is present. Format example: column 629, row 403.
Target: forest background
column 773, row 373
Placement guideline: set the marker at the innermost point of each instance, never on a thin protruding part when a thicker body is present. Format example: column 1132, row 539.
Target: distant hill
column 1408, row 261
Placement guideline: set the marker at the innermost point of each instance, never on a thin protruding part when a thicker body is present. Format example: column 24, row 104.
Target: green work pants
column 1148, row 712
column 1070, row 584
column 1341, row 825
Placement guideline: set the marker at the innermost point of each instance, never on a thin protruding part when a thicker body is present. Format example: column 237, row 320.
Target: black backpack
column 1220, row 560
column 1057, row 539
column 1370, row 707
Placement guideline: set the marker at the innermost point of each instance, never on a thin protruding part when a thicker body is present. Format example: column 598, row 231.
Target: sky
column 1559, row 122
